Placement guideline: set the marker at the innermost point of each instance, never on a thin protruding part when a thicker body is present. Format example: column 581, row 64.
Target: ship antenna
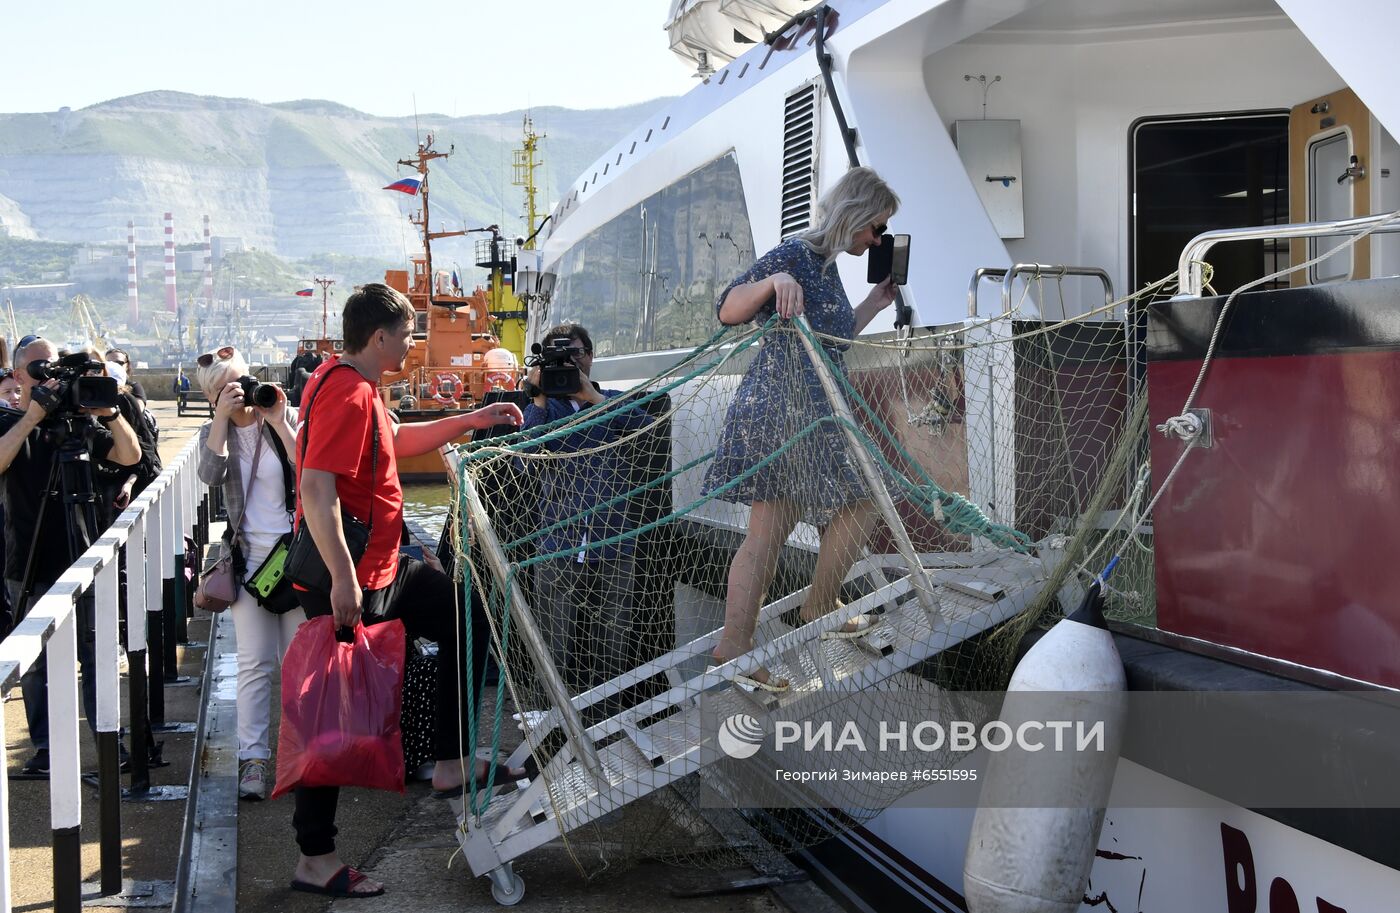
column 325, row 283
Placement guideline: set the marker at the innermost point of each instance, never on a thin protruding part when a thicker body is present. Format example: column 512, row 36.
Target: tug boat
column 458, row 357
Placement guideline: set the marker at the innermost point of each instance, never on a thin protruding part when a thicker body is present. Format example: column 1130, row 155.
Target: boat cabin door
column 1329, row 146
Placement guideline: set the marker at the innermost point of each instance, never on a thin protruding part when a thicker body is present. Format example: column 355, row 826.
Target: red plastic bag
column 340, row 708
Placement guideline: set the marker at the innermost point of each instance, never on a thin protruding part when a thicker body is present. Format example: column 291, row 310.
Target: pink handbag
column 217, row 588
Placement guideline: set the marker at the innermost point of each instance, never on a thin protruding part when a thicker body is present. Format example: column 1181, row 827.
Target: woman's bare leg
column 842, row 542
column 750, row 573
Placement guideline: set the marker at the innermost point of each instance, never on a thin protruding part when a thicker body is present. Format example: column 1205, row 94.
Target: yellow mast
column 513, row 323
column 525, row 165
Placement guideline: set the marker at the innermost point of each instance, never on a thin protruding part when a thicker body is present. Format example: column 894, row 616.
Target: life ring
column 446, row 386
column 499, row 380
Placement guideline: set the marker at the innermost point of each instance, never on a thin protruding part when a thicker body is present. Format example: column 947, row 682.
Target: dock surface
column 406, row 841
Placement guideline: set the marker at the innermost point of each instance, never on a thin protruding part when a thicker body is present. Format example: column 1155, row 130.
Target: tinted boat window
column 648, row 279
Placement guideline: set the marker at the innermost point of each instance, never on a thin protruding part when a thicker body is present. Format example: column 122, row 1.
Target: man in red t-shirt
column 347, row 462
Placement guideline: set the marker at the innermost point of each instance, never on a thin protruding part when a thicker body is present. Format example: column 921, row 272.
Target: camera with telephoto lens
column 79, row 387
column 558, row 374
column 257, row 393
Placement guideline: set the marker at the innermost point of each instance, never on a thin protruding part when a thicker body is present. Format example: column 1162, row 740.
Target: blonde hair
column 212, row 379
column 852, row 204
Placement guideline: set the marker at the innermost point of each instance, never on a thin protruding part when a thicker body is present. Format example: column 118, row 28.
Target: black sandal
column 503, row 777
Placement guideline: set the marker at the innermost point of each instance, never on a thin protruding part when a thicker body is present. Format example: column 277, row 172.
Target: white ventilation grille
column 801, row 119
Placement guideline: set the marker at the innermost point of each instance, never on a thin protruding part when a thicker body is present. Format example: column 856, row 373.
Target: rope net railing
column 1010, row 445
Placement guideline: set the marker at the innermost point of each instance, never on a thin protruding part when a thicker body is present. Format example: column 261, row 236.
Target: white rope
column 1188, row 427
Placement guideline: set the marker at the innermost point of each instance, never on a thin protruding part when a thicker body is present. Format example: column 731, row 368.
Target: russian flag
column 456, row 283
column 305, row 293
column 405, row 185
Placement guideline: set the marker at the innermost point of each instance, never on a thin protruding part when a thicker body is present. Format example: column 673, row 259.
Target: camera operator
column 119, row 485
column 36, row 541
column 300, row 371
column 122, row 360
column 587, row 596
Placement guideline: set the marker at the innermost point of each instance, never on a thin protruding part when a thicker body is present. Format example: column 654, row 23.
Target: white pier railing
column 151, row 534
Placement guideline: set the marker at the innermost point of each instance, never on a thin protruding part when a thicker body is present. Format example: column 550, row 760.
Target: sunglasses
column 207, row 359
column 26, row 341
column 6, row 374
column 879, row 228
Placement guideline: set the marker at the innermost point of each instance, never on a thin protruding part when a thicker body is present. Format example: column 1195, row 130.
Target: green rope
column 959, row 515
column 479, row 799
column 519, row 441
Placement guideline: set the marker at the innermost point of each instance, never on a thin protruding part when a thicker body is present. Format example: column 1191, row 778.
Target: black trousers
column 423, row 600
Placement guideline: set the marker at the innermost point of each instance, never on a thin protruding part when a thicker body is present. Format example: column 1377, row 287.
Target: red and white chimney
column 170, row 303
column 208, row 266
column 133, row 304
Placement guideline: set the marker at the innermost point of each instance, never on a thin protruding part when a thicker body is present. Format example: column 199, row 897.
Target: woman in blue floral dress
column 780, row 396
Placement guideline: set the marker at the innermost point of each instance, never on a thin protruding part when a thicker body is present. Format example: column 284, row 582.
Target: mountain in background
column 295, row 178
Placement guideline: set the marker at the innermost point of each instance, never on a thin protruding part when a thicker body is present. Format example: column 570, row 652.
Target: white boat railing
column 152, row 531
column 1008, row 277
column 1190, row 266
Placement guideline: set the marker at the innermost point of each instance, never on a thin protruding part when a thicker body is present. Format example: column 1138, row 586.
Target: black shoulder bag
column 305, row 566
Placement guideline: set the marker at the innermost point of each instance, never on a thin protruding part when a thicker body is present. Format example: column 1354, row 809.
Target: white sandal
column 749, row 683
column 864, row 625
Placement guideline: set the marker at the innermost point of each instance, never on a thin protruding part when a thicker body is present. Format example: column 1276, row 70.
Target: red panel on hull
column 1284, row 538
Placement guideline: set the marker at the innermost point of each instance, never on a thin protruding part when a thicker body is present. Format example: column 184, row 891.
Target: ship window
column 648, row 279
column 1329, row 200
column 1196, row 173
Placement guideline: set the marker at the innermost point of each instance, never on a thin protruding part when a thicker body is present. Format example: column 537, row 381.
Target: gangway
column 645, row 748
column 622, row 741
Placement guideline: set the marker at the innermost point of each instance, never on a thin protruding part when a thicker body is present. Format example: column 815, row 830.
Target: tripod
column 70, row 485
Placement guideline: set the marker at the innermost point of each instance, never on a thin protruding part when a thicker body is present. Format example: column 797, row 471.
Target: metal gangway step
column 645, row 748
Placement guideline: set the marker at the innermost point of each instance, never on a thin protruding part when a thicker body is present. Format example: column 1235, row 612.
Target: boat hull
column 1273, row 539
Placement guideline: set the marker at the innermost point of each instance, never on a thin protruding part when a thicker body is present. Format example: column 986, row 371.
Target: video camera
column 78, row 386
column 257, row 393
column 558, row 374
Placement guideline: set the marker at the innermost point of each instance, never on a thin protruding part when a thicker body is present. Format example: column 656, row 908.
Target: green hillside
column 299, row 178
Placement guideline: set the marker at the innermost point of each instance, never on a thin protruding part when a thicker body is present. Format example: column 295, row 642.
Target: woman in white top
column 227, row 445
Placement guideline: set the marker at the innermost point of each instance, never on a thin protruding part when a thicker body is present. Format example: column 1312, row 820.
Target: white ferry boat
column 1103, row 134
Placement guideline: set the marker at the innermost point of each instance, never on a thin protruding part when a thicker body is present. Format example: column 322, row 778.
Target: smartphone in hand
column 889, row 260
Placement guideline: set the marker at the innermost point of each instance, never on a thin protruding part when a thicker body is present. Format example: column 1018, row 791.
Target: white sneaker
column 252, row 779
column 529, row 719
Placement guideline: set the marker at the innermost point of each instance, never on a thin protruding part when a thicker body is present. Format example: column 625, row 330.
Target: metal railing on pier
column 148, row 540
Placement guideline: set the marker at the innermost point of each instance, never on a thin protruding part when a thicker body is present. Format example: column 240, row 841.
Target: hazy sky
column 456, row 56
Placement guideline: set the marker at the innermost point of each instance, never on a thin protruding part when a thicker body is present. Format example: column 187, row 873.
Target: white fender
column 1035, row 833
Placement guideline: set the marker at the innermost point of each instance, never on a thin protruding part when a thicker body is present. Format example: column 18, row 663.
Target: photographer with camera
column 299, row 372
column 587, row 596
column 69, row 417
column 118, row 485
column 251, row 438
